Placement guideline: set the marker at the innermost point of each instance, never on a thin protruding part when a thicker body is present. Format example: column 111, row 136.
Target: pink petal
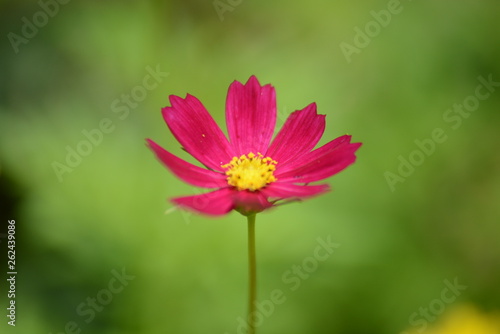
column 187, row 172
column 196, row 130
column 215, row 203
column 305, row 158
column 300, row 133
column 283, row 190
column 248, row 202
column 320, row 163
column 250, row 116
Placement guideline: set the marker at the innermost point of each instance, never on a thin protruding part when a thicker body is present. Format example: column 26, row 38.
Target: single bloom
column 250, row 172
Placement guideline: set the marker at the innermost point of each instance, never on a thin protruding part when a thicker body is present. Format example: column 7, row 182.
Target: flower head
column 250, row 172
column 463, row 319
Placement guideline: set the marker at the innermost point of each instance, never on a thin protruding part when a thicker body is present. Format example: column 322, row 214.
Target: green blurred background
column 107, row 215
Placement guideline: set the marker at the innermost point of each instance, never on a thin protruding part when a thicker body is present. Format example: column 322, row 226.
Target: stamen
column 250, row 172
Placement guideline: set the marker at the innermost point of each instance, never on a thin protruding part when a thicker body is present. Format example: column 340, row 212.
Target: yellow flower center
column 250, row 171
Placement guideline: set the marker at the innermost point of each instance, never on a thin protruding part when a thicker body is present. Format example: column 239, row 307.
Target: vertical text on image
column 11, row 271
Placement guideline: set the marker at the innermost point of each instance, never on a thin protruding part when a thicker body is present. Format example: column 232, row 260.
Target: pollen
column 250, row 172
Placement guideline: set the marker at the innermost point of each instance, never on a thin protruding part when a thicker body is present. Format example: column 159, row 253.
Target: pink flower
column 250, row 172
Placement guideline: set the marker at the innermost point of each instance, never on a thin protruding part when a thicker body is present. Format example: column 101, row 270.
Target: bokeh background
column 105, row 214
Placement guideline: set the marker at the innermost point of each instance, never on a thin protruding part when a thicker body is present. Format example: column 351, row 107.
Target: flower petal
column 249, row 202
column 250, row 116
column 300, row 133
column 330, row 146
column 215, row 203
column 321, row 163
column 283, row 190
column 196, row 130
column 187, row 172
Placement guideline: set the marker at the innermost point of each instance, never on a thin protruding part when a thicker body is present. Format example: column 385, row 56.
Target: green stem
column 252, row 275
